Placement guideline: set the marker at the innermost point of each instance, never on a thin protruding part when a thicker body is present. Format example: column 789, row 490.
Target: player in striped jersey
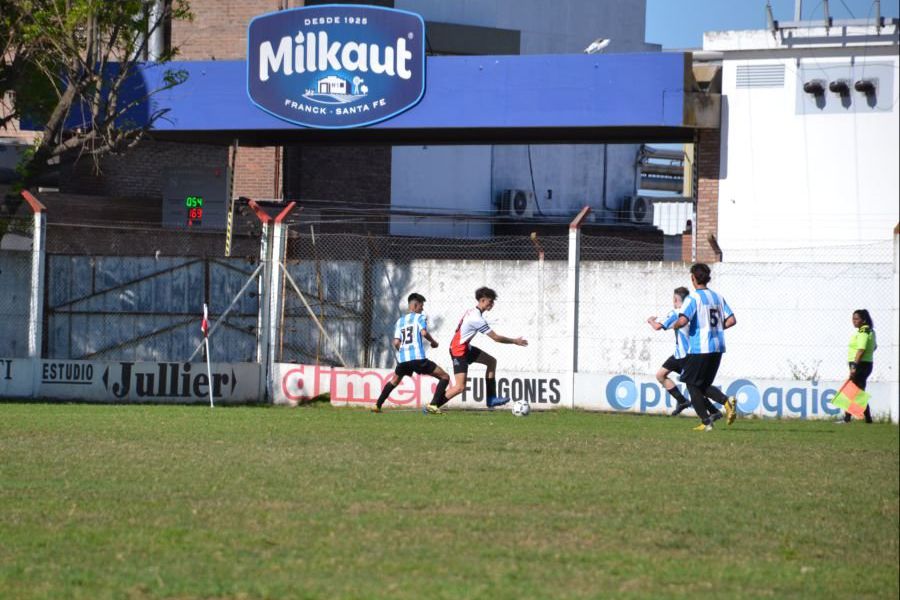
column 463, row 353
column 707, row 316
column 676, row 361
column 409, row 333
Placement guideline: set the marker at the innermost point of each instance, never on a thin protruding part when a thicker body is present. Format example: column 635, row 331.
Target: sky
column 681, row 23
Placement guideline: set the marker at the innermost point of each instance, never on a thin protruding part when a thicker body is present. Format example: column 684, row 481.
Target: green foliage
column 192, row 502
column 55, row 57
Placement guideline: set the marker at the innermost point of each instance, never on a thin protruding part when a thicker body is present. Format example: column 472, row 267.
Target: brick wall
column 219, row 28
column 140, row 172
column 219, row 32
column 707, row 155
column 258, row 173
column 342, row 176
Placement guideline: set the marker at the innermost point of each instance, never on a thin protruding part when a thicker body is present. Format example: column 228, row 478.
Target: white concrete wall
column 807, row 182
column 793, row 319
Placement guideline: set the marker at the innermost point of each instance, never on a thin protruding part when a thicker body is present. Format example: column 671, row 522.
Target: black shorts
column 674, row 364
column 863, row 370
column 423, row 366
column 700, row 369
column 461, row 363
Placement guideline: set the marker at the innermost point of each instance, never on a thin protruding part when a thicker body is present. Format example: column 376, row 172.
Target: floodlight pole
column 38, row 257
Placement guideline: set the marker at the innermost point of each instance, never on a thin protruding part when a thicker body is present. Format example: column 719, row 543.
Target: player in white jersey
column 707, row 316
column 410, row 332
column 463, row 353
column 676, row 361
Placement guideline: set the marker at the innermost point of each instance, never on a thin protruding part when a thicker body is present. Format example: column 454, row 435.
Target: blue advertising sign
column 336, row 66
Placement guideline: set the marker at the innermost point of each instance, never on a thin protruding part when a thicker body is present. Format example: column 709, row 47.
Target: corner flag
column 204, row 327
column 852, row 399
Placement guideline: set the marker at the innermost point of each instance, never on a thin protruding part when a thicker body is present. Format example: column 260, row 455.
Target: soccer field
column 318, row 502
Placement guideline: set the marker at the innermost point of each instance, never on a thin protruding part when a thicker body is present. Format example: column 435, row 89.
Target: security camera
column 597, row 46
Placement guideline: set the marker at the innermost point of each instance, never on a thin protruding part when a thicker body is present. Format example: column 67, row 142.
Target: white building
column 810, row 140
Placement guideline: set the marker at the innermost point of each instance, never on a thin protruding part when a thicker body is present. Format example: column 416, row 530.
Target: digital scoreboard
column 194, row 205
column 196, row 198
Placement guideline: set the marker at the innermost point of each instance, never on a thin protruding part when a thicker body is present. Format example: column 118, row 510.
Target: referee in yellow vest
column 860, row 352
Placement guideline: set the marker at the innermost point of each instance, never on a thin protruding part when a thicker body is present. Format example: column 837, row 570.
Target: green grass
column 188, row 502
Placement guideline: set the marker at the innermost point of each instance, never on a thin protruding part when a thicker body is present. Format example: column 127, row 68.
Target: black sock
column 698, row 401
column 715, row 394
column 439, row 399
column 385, row 392
column 679, row 397
column 491, row 384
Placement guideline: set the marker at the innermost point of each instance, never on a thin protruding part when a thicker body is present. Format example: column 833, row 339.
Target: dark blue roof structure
column 563, row 98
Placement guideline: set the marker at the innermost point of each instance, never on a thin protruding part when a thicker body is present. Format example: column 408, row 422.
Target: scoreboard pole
column 229, row 223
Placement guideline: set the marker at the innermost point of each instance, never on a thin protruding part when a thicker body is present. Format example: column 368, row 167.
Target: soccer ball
column 521, row 408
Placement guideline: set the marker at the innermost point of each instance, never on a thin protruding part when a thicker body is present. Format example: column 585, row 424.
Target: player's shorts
column 422, row 366
column 700, row 369
column 461, row 363
column 674, row 364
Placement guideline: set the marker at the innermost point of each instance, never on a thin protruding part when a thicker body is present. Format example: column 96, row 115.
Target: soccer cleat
column 376, row 409
column 715, row 416
column 431, row 409
column 496, row 401
column 703, row 427
column 681, row 408
column 731, row 409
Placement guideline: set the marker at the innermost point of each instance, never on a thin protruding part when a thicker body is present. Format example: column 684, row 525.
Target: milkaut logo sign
column 336, row 66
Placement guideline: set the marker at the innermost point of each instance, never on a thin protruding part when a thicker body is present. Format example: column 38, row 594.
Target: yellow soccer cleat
column 731, row 409
column 431, row 409
column 376, row 409
column 703, row 427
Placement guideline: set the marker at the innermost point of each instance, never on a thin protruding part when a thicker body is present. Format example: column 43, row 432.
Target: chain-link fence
column 792, row 317
column 136, row 293
column 354, row 288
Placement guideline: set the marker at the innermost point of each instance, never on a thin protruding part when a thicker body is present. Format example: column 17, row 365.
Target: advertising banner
column 760, row 397
column 16, row 377
column 334, row 67
column 360, row 387
column 147, row 382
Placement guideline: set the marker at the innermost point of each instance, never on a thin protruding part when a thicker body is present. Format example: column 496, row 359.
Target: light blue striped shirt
column 706, row 312
column 681, row 336
column 409, row 331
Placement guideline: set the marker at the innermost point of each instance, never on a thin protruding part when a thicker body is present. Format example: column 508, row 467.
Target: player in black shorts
column 674, row 363
column 409, row 333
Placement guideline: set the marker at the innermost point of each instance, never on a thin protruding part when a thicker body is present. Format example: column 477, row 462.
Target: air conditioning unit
column 638, row 209
column 518, row 204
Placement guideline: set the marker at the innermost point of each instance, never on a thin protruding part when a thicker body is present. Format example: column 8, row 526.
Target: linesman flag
column 852, row 399
column 204, row 327
column 204, row 324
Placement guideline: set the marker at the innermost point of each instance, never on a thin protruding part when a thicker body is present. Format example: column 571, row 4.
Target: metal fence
column 137, row 293
column 15, row 285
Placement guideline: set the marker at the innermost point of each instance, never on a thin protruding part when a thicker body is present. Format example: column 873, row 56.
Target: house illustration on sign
column 332, row 85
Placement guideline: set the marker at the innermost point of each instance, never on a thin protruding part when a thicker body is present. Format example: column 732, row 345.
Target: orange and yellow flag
column 852, row 399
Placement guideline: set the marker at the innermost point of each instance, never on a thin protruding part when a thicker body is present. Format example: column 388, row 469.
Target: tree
column 71, row 66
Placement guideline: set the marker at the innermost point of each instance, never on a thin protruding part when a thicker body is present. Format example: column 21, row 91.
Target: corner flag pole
column 204, row 326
